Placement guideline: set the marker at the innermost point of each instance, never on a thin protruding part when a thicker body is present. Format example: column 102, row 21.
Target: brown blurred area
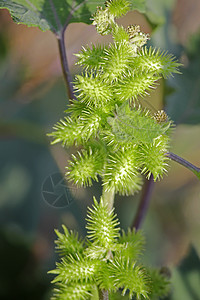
column 186, row 19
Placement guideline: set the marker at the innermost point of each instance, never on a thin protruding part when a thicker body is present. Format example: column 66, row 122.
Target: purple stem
column 183, row 162
column 60, row 35
column 64, row 64
column 144, row 203
column 62, row 51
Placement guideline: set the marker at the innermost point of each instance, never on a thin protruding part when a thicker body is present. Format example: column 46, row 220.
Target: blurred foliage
column 183, row 105
column 22, row 276
column 186, row 278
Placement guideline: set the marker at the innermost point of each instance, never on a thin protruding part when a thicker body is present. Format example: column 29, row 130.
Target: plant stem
column 184, row 163
column 108, row 198
column 64, row 64
column 144, row 203
column 62, row 50
column 103, row 295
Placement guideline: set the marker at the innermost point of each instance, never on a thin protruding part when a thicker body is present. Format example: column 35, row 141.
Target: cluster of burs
column 117, row 139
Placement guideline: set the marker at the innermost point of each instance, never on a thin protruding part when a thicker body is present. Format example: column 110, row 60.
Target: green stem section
column 108, row 197
column 95, row 293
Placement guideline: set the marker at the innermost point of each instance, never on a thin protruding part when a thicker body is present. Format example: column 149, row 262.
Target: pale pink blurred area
column 186, row 19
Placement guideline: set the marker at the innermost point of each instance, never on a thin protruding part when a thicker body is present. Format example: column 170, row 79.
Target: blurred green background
column 33, row 98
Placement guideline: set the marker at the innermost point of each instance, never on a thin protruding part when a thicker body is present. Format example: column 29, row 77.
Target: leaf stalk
column 184, row 163
column 144, row 203
column 64, row 64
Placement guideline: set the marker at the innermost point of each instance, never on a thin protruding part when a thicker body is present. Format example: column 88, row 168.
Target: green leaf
column 54, row 15
column 24, row 12
column 135, row 126
column 50, row 14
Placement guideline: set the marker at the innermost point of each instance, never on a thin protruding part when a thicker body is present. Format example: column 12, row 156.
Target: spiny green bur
column 106, row 260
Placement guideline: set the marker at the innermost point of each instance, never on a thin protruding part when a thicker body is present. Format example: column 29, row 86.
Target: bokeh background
column 33, row 98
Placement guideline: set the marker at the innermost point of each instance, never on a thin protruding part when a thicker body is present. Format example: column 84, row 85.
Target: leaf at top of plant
column 50, row 14
column 136, row 126
column 54, row 15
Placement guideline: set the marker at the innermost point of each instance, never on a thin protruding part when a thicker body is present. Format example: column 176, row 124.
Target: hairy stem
column 144, row 203
column 64, row 64
column 108, row 198
column 184, row 163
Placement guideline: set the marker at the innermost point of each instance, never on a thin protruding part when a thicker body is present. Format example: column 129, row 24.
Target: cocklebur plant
column 105, row 262
column 118, row 141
